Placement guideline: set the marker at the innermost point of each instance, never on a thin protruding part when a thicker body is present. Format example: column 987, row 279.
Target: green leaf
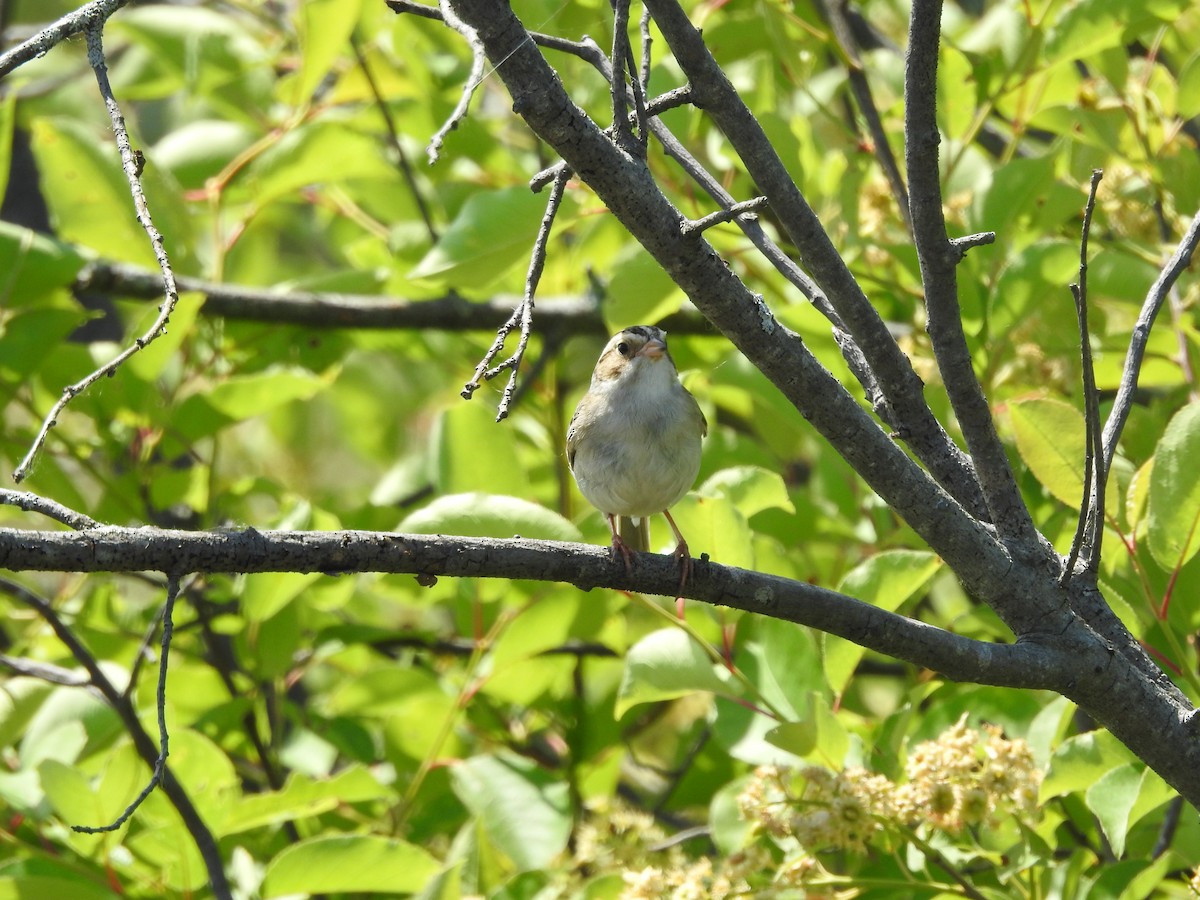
column 666, row 664
column 885, row 580
column 71, row 794
column 265, row 594
column 301, row 797
column 190, row 48
column 100, row 217
column 149, row 362
column 525, row 813
column 302, row 158
column 1137, row 498
column 32, row 264
column 1187, row 100
column 1016, row 188
column 26, row 887
column 783, row 663
column 1051, row 441
column 410, row 703
column 1083, row 29
column 1174, row 507
column 1112, row 799
column 363, row 863
column 489, row 515
column 27, row 334
column 198, row 150
column 750, row 488
column 730, row 830
column 246, row 396
column 458, row 434
column 712, row 525
column 491, row 233
column 1080, row 761
column 8, row 108
column 326, row 26
column 639, row 292
column 550, row 622
column 820, row 736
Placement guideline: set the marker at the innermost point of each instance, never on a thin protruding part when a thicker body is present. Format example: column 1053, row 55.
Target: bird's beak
column 653, row 348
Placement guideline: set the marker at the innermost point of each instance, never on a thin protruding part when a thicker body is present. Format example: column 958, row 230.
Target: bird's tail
column 635, row 533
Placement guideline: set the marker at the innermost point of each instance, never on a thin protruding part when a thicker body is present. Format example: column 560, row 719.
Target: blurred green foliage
column 510, row 740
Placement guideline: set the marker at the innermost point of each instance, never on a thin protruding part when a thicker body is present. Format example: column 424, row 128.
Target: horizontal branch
column 564, row 315
column 112, row 549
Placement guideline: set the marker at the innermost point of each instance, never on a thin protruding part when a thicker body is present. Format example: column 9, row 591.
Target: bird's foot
column 686, row 567
column 619, row 546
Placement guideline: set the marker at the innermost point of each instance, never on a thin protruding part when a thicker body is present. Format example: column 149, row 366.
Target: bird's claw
column 619, row 546
column 687, row 567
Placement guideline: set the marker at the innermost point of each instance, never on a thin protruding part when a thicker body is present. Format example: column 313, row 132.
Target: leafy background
column 486, row 738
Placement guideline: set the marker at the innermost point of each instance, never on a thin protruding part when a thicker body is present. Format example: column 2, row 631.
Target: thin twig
column 478, row 64
column 31, row 502
column 967, row 242
column 1091, row 403
column 835, row 10
column 95, row 13
column 160, row 763
column 620, row 54
column 1177, row 308
column 746, row 208
column 647, row 43
column 1157, row 295
column 938, row 261
column 44, row 671
column 638, row 87
column 522, row 317
column 586, row 49
column 203, row 837
column 680, row 96
column 143, row 651
column 1170, row 825
column 129, row 163
column 1089, row 531
column 406, row 169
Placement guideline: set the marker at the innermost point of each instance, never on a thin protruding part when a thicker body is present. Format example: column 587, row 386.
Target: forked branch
column 1090, row 529
column 131, row 164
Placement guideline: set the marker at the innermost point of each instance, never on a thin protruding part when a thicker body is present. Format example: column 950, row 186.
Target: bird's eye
column 623, row 348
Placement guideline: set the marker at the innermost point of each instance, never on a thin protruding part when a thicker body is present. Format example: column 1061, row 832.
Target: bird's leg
column 618, row 545
column 686, row 566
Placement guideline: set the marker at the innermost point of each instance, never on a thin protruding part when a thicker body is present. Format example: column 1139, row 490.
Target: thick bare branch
column 628, row 188
column 564, row 315
column 1068, row 657
column 901, row 387
column 110, row 549
column 939, row 261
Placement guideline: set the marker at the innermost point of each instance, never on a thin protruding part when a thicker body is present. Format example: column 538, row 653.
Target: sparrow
column 633, row 444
